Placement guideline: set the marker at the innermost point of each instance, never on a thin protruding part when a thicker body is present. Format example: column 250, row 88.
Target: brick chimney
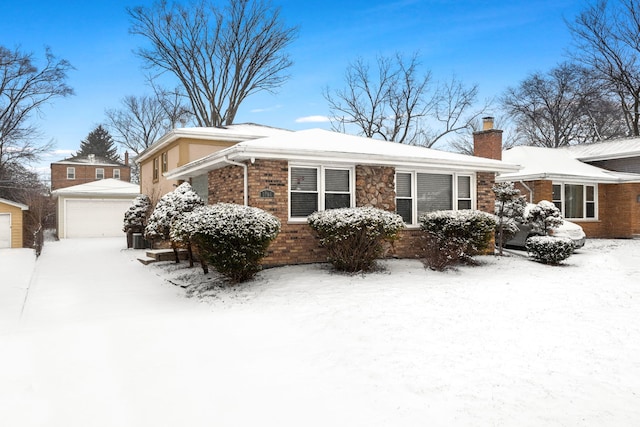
column 126, row 158
column 488, row 142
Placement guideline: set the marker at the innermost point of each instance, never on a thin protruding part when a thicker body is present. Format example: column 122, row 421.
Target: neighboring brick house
column 296, row 173
column 83, row 169
column 593, row 185
column 184, row 145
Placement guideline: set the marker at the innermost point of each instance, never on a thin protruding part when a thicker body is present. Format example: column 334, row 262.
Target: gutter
column 529, row 190
column 246, row 177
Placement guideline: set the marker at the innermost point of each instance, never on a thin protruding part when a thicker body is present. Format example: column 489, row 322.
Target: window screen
column 464, row 192
column 433, row 192
column 404, row 203
column 573, row 201
column 304, row 191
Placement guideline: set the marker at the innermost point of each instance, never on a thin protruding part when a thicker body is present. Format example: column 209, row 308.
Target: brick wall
column 297, row 243
column 618, row 208
column 83, row 174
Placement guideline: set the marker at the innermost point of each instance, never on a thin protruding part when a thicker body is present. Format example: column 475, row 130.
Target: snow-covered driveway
column 91, row 279
column 509, row 343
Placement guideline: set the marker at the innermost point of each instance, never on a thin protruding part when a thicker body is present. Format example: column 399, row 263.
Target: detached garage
column 94, row 209
column 11, row 224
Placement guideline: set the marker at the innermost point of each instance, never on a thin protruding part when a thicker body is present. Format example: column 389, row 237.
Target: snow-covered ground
column 509, row 343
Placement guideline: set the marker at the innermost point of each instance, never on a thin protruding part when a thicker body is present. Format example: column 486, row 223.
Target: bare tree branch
column 24, row 89
column 220, row 56
column 400, row 104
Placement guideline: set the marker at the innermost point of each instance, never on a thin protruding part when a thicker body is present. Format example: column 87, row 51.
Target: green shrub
column 454, row 236
column 354, row 237
column 549, row 250
column 232, row 238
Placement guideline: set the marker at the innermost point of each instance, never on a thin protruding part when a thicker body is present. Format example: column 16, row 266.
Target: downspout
column 529, row 190
column 246, row 178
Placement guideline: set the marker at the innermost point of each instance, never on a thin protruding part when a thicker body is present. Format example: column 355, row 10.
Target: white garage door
column 5, row 230
column 94, row 217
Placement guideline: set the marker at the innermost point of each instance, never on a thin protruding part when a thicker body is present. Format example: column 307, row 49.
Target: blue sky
column 494, row 44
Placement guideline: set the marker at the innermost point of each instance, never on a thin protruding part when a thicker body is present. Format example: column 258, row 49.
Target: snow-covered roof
column 616, row 149
column 14, row 204
column 102, row 187
column 88, row 160
column 323, row 146
column 232, row 133
column 555, row 164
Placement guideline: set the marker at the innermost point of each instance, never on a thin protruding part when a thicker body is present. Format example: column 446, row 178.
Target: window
column 155, row 169
column 99, row 173
column 116, row 174
column 165, row 162
column 575, row 201
column 71, row 173
column 418, row 193
column 314, row 188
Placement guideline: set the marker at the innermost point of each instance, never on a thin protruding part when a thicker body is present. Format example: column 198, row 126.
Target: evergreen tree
column 509, row 210
column 100, row 143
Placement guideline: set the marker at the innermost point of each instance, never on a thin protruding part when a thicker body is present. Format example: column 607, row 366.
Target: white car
column 567, row 229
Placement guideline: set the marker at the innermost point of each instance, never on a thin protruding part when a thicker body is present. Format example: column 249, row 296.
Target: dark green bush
column 455, row 236
column 549, row 250
column 354, row 237
column 232, row 238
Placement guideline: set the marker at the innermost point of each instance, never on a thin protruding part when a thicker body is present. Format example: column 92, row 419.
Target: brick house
column 294, row 174
column 185, row 145
column 83, row 169
column 594, row 185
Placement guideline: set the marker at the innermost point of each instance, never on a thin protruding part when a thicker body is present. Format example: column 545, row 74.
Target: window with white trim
column 116, row 174
column 421, row 192
column 99, row 173
column 71, row 173
column 576, row 201
column 318, row 188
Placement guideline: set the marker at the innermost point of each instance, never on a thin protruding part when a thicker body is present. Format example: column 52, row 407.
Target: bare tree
column 219, row 55
column 607, row 38
column 141, row 120
column 562, row 107
column 397, row 103
column 24, row 89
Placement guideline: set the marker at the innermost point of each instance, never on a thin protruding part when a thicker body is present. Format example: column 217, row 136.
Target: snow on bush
column 453, row 236
column 354, row 237
column 171, row 206
column 543, row 217
column 135, row 218
column 232, row 238
column 509, row 210
column 549, row 250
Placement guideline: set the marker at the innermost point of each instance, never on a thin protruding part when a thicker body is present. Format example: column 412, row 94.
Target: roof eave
column 236, row 153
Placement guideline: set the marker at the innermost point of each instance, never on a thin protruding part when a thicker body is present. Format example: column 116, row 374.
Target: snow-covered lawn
column 509, row 343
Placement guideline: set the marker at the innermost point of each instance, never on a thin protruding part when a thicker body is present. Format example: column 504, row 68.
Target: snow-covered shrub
column 178, row 202
column 543, row 217
column 549, row 250
column 232, row 238
column 509, row 210
column 458, row 235
column 354, row 237
column 136, row 216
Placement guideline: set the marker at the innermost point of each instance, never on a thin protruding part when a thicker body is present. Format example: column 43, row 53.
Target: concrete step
column 167, row 254
column 146, row 260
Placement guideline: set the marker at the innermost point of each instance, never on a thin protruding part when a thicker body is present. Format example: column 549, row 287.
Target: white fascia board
column 559, row 177
column 600, row 157
column 239, row 153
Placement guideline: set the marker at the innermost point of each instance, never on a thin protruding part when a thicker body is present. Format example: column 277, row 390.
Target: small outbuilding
column 11, row 224
column 94, row 209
